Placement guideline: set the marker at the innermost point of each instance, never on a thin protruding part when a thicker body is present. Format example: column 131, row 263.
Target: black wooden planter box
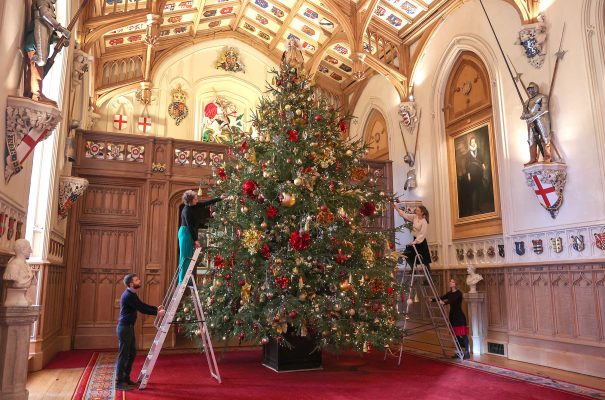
column 303, row 355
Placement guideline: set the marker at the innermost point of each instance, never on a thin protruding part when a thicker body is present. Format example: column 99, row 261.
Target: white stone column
column 477, row 314
column 15, row 331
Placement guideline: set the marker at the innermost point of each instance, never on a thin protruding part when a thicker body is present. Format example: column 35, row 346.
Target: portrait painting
column 474, row 174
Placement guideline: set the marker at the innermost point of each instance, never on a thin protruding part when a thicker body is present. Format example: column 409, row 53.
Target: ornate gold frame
column 477, row 225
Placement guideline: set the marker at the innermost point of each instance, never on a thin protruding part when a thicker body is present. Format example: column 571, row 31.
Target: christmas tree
column 290, row 253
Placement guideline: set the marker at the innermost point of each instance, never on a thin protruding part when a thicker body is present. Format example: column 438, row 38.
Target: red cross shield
column 145, row 125
column 120, row 121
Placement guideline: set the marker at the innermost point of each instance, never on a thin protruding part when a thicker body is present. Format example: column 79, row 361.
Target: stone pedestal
column 15, row 331
column 477, row 314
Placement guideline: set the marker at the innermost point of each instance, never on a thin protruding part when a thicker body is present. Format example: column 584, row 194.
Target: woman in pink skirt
column 457, row 317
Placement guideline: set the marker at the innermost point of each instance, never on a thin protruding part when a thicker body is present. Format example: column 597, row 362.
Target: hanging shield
column 600, row 241
column 520, row 248
column 547, row 181
column 501, row 250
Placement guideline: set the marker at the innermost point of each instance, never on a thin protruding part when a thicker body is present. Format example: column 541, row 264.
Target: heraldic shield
column 600, row 241
column 520, row 248
column 557, row 244
column 538, row 246
column 547, row 180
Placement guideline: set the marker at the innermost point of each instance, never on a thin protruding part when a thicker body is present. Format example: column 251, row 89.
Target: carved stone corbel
column 27, row 123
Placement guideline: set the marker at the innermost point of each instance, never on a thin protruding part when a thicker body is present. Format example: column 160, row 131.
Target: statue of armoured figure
column 41, row 33
column 537, row 117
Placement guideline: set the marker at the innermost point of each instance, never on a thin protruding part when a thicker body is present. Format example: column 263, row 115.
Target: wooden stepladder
column 171, row 303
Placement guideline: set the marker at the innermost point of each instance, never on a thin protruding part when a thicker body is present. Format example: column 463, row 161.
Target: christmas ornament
column 376, row 285
column 325, row 218
column 245, row 293
column 300, row 240
column 293, row 135
column 287, row 200
column 249, row 187
column 358, row 173
column 272, row 212
column 251, row 239
column 367, row 254
column 368, row 209
column 318, row 118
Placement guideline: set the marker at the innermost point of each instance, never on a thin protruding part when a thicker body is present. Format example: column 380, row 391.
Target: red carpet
column 186, row 376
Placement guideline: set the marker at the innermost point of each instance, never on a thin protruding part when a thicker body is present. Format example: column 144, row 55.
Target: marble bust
column 472, row 279
column 18, row 275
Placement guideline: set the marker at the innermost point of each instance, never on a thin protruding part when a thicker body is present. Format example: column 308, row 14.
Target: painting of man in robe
column 474, row 175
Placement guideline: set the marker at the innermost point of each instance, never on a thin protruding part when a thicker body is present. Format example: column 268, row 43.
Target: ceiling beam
column 200, row 10
column 240, row 14
column 286, row 24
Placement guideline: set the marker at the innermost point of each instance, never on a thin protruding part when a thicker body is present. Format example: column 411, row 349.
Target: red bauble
column 390, row 290
column 242, row 282
column 318, row 118
column 282, row 282
column 368, row 209
column 324, row 207
column 293, row 314
column 342, row 125
column 222, row 174
column 218, row 261
column 244, row 146
column 249, row 187
column 293, row 135
column 265, row 251
column 227, row 277
column 300, row 240
column 272, row 212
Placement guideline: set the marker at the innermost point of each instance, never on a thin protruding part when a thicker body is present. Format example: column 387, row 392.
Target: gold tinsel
column 251, row 239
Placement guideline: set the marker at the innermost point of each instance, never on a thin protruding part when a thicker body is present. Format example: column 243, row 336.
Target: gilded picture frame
column 474, row 190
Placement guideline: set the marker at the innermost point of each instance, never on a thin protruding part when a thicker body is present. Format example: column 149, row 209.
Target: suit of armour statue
column 38, row 39
column 537, row 117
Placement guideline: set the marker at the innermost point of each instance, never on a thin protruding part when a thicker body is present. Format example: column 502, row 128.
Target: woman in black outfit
column 457, row 317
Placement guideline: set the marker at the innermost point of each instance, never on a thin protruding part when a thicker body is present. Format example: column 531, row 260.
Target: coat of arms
column 70, row 189
column 532, row 38
column 547, row 181
column 408, row 114
column 460, row 254
column 537, row 246
column 600, row 241
column 520, row 248
column 491, row 252
column 557, row 244
column 178, row 110
column 501, row 250
column 229, row 60
column 577, row 243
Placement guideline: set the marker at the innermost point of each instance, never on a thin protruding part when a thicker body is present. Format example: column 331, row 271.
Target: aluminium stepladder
column 171, row 303
column 417, row 281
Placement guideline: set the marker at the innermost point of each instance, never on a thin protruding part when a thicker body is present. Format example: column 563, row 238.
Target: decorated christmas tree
column 291, row 251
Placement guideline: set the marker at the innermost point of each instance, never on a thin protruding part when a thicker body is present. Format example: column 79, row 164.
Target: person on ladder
column 130, row 304
column 420, row 221
column 190, row 221
column 457, row 318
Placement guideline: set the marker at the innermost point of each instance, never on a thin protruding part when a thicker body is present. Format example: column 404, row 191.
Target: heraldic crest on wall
column 229, row 60
column 547, row 181
column 533, row 40
column 71, row 188
column 178, row 109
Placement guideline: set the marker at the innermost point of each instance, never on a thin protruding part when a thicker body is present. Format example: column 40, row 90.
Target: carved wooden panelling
column 157, row 224
column 600, row 290
column 99, row 295
column 563, row 303
column 111, row 248
column 495, row 290
column 543, row 302
column 111, row 200
column 586, row 308
column 468, row 89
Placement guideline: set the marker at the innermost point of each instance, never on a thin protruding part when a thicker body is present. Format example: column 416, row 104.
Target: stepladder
column 163, row 323
column 416, row 283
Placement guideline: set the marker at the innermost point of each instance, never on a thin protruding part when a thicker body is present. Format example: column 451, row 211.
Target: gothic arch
column 376, row 135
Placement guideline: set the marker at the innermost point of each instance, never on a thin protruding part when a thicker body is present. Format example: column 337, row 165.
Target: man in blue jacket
column 130, row 304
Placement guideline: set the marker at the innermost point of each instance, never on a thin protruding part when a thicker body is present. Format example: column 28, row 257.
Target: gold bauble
column 298, row 181
column 337, row 307
column 263, row 225
column 299, row 112
column 351, row 312
column 288, row 107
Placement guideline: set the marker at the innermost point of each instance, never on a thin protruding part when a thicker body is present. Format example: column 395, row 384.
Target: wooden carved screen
column 473, row 177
